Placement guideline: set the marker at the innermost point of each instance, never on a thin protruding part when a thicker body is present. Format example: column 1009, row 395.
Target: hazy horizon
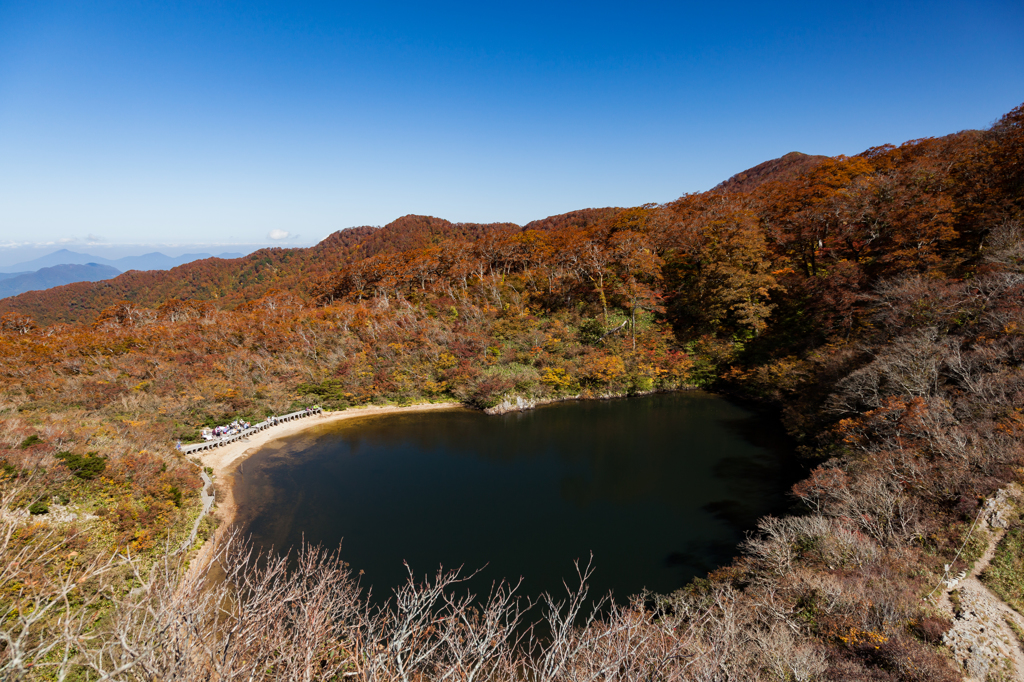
column 11, row 255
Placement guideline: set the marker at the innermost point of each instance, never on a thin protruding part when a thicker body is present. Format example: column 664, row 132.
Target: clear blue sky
column 224, row 123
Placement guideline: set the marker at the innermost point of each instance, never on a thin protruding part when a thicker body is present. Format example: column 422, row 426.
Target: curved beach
column 225, row 460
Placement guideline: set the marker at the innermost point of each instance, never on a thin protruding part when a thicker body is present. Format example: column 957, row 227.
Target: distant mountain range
column 67, row 267
column 249, row 277
column 297, row 269
column 55, row 276
column 149, row 261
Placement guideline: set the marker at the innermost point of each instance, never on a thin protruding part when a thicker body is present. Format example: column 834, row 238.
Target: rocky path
column 207, row 497
column 980, row 638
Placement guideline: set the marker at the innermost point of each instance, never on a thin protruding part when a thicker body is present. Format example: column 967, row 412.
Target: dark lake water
column 659, row 489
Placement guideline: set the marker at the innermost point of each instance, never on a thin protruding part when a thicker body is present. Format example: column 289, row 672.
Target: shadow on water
column 660, row 489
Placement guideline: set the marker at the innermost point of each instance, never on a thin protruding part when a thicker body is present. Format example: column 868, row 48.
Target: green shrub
column 590, row 332
column 641, row 384
column 329, row 392
column 30, row 441
column 39, row 507
column 85, row 468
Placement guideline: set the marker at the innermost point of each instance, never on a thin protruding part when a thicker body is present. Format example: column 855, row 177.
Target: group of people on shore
column 231, row 429
column 240, row 425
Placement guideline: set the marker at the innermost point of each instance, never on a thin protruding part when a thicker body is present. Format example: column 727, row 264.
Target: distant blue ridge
column 149, row 261
column 67, row 267
column 58, row 275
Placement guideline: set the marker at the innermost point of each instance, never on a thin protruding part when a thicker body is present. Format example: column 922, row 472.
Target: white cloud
column 278, row 234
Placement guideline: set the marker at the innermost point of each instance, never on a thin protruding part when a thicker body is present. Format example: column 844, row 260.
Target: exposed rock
column 999, row 508
column 58, row 513
column 514, row 404
column 977, row 638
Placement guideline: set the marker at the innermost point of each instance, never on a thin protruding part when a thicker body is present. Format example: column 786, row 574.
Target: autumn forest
column 874, row 302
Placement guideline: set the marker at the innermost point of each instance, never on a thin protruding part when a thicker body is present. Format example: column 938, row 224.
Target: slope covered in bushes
column 874, row 300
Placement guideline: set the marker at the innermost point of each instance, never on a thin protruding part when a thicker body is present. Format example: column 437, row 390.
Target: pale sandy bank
column 224, row 460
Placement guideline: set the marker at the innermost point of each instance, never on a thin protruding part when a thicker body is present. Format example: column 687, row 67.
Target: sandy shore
column 225, row 460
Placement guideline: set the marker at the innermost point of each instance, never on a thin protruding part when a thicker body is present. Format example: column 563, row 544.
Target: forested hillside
column 234, row 281
column 785, row 167
column 226, row 281
column 55, row 276
column 874, row 300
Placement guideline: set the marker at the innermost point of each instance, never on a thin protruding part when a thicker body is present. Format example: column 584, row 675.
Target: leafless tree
column 46, row 596
column 624, row 643
column 243, row 616
column 1005, row 246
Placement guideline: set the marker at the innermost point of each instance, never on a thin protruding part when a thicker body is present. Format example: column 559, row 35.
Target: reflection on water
column 659, row 489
